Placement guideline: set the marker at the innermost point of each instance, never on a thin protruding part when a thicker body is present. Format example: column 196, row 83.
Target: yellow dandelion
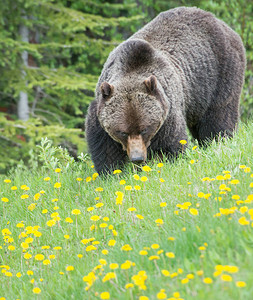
column 57, row 185
column 161, row 295
column 146, row 169
column 68, row 220
column 207, row 280
column 104, row 251
column 137, row 187
column 136, row 177
column 117, row 171
column 184, row 280
column 29, row 272
column 46, row 262
column 4, row 199
column 183, row 142
column 99, row 189
column 139, row 217
column 39, row 257
column 193, row 211
column 111, row 243
column 159, row 222
column 94, row 176
column 24, row 245
column 144, row 178
column 201, row 195
column 113, row 266
column 243, row 221
column 226, row 277
column 143, row 252
column 51, row 223
column 160, row 165
column 105, row 295
column 126, row 265
column 170, row 254
column 88, row 179
column 69, row 268
column 126, row 247
column 102, row 262
column 166, row 273
column 36, row 290
column 235, row 181
column 155, row 246
column 154, row 257
column 95, row 218
column 200, row 273
column 240, row 284
column 90, row 248
column 202, row 248
column 130, row 209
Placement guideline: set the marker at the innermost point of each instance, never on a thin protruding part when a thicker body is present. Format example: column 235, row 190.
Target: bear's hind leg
column 218, row 122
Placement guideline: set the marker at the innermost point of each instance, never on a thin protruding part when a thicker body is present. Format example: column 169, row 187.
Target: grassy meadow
column 181, row 230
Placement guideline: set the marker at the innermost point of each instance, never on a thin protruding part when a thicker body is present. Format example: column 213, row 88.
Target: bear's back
column 182, row 27
column 207, row 51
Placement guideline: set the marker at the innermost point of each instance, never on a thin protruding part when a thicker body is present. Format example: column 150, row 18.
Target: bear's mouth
column 136, row 149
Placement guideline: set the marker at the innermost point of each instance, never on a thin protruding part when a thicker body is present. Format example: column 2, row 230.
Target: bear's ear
column 151, row 84
column 106, row 90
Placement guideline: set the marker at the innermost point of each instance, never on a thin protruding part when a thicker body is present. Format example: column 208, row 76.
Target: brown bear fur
column 183, row 69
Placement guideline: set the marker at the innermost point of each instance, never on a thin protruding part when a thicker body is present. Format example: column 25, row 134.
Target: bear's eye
column 122, row 134
column 144, row 131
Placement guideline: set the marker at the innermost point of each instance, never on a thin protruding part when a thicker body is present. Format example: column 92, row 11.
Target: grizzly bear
column 183, row 69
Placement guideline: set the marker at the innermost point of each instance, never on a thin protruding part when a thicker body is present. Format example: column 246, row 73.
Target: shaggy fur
column 183, row 69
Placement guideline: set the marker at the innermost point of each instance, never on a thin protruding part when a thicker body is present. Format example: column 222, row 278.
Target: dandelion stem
column 156, row 266
column 76, row 228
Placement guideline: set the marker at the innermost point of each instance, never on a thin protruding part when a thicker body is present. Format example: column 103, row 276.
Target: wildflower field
column 181, row 230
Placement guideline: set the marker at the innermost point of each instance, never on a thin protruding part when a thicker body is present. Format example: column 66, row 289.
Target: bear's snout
column 136, row 149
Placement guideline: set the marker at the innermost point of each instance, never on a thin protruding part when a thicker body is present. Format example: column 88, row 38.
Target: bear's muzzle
column 136, row 148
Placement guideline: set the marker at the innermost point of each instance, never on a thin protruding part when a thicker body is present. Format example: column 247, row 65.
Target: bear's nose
column 137, row 158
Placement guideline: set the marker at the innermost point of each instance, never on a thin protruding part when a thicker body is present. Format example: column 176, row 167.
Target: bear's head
column 132, row 113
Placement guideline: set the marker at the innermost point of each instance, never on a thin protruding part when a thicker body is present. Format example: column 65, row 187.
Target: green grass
column 227, row 237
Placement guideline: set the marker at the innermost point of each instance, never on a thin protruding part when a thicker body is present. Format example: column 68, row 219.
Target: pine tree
column 51, row 55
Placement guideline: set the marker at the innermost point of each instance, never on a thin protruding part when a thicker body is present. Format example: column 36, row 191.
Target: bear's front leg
column 106, row 153
column 171, row 139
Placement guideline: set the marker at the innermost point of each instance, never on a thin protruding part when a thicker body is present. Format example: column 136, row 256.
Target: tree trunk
column 23, row 108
